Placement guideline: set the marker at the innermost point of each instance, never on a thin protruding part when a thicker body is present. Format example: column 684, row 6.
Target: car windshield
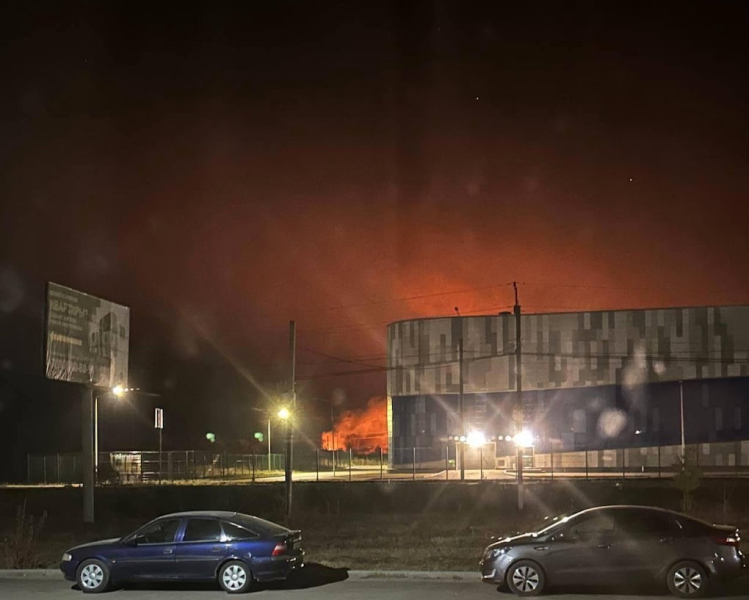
column 259, row 525
column 550, row 524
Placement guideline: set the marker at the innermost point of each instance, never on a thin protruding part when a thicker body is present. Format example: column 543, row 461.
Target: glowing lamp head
column 284, row 414
column 118, row 390
column 523, row 439
column 476, row 439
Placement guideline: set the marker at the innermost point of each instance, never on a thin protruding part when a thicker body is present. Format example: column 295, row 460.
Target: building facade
column 591, row 380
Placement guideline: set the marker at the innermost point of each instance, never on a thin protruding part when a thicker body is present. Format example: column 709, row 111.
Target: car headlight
column 67, row 557
column 492, row 553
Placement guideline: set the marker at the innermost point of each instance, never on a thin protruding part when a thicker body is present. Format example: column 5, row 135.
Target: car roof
column 213, row 514
column 631, row 507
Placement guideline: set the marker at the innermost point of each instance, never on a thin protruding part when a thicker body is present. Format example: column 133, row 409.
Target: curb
column 418, row 575
column 55, row 574
column 31, row 574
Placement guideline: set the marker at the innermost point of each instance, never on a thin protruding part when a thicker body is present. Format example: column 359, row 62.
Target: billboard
column 86, row 338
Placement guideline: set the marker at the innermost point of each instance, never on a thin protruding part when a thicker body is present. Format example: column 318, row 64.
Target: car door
column 647, row 542
column 201, row 549
column 578, row 553
column 149, row 554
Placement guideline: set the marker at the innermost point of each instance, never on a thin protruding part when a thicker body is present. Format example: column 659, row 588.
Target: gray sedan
column 615, row 545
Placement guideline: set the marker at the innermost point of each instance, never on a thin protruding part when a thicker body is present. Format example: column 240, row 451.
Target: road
column 348, row 589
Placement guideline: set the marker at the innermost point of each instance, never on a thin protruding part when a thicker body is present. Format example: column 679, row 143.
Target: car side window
column 202, row 530
column 235, row 532
column 594, row 526
column 647, row 525
column 161, row 532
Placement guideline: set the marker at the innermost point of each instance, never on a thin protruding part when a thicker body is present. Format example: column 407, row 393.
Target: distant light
column 476, row 439
column 524, row 439
column 637, row 432
column 284, row 414
column 211, row 437
column 118, row 390
column 462, row 438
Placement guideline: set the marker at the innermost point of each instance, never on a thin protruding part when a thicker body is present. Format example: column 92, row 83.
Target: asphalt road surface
column 335, row 586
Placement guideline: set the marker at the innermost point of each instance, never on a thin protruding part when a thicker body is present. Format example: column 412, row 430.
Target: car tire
column 526, row 578
column 92, row 576
column 235, row 577
column 687, row 579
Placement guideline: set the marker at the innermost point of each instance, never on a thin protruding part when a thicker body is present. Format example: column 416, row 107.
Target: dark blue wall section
column 596, row 418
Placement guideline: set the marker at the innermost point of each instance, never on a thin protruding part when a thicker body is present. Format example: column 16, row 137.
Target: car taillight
column 279, row 549
column 727, row 540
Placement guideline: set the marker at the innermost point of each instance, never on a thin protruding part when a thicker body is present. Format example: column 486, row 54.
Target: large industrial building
column 597, row 381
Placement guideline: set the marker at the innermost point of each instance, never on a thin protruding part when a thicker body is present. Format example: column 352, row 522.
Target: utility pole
column 519, row 409
column 461, row 412
column 681, row 411
column 289, row 426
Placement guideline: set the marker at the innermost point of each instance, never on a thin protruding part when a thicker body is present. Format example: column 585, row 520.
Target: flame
column 363, row 431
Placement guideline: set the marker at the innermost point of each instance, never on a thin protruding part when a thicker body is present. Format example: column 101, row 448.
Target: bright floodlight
column 476, row 439
column 118, row 390
column 284, row 413
column 524, row 439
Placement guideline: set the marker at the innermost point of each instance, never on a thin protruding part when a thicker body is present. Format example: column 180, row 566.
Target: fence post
column 736, row 457
column 44, row 458
column 413, row 464
column 58, row 468
column 659, row 460
column 350, row 453
column 254, row 458
column 586, row 463
column 447, row 463
column 624, row 463
column 380, row 463
column 317, row 465
column 551, row 460
column 481, row 463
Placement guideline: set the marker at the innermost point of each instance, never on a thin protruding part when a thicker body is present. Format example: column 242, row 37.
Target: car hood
column 99, row 544
column 516, row 540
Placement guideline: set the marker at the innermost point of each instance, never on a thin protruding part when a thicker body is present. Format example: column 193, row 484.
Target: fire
column 362, row 430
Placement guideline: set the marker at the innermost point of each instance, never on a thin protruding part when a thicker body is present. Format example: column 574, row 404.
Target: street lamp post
column 118, row 392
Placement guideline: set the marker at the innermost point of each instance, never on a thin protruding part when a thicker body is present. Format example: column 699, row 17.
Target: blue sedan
column 230, row 548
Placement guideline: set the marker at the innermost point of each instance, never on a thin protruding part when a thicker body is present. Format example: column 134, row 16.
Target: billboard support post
column 88, row 443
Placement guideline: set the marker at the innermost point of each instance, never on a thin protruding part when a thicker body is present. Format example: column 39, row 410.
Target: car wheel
column 526, row 578
column 92, row 576
column 687, row 579
column 235, row 577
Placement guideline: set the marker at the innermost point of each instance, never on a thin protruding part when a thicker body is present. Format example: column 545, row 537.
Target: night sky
column 222, row 171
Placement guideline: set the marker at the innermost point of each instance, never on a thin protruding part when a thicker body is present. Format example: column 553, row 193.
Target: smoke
column 363, row 431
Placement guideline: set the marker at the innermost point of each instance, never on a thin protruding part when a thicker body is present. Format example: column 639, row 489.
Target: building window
column 656, row 419
column 718, row 418
column 413, row 425
column 433, row 423
column 421, row 404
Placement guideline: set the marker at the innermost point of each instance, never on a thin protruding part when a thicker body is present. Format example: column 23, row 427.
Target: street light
column 284, row 414
column 524, row 439
column 476, row 439
column 118, row 392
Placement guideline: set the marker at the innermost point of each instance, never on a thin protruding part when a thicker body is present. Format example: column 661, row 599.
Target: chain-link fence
column 144, row 467
column 479, row 463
